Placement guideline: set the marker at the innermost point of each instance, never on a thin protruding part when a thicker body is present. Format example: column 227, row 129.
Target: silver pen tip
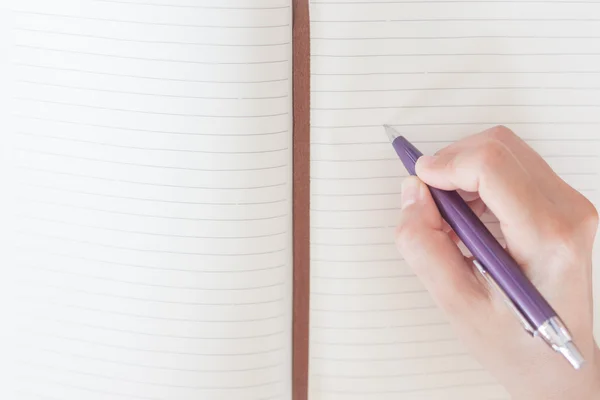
column 555, row 333
column 391, row 132
column 572, row 354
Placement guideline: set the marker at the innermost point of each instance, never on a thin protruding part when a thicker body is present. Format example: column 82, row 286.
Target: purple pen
column 497, row 266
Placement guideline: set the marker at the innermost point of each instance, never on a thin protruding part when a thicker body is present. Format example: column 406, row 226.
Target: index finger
column 509, row 190
column 550, row 184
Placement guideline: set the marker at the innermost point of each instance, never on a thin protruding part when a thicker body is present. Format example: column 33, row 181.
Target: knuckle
column 501, row 133
column 450, row 302
column 408, row 236
column 562, row 236
column 558, row 231
column 588, row 219
column 450, row 295
column 570, row 236
column 404, row 234
column 491, row 155
column 590, row 216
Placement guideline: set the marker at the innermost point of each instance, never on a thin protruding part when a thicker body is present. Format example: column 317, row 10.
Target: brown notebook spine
column 301, row 197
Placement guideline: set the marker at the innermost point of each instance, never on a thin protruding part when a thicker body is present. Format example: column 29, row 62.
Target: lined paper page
column 437, row 71
column 147, row 199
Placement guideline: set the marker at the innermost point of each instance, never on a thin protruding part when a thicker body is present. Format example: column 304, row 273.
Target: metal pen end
column 555, row 333
column 572, row 354
column 391, row 132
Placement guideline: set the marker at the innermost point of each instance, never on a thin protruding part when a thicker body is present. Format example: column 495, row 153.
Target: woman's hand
column 549, row 229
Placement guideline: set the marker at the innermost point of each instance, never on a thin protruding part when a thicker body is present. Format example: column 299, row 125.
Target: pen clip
column 492, row 282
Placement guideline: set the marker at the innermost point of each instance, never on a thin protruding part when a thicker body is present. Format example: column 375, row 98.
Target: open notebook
column 148, row 190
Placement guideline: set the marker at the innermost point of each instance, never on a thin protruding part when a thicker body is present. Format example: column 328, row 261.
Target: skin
column 549, row 229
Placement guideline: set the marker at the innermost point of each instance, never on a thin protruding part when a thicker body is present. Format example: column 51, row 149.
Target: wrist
column 564, row 383
column 582, row 385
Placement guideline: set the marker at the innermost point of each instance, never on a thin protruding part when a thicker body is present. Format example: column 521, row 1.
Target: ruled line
column 399, row 193
column 150, row 183
column 202, row 7
column 387, row 277
column 357, row 261
column 356, row 194
column 359, row 294
column 356, row 227
column 378, row 310
column 102, row 392
column 237, row 204
column 357, row 209
column 420, row 357
column 44, row 397
column 166, row 149
column 133, row 348
column 108, row 392
column 439, row 89
column 167, row 79
column 355, row 160
column 148, row 300
column 456, row 20
column 156, row 318
column 102, row 228
column 390, row 326
column 421, row 141
column 33, row 151
column 120, row 39
column 149, row 23
column 371, row 227
column 455, row 1
column 119, row 379
column 370, row 209
column 450, row 37
column 121, row 128
column 352, row 244
column 460, row 124
column 141, row 333
column 151, row 267
column 425, row 373
column 368, row 244
column 165, row 60
column 139, row 283
column 155, row 216
column 559, row 72
column 236, row 98
column 360, row 178
column 67, row 239
column 451, row 55
column 419, row 390
column 429, row 341
column 115, row 362
column 394, row 107
column 148, row 112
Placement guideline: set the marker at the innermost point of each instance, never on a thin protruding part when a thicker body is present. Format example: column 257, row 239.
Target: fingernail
column 411, row 189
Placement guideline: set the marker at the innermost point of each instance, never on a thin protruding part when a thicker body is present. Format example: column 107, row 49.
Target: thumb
column 434, row 256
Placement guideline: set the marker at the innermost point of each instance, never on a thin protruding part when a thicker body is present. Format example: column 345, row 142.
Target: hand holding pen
column 549, row 229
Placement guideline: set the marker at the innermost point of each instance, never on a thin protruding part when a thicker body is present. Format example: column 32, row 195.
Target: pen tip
column 572, row 354
column 391, row 132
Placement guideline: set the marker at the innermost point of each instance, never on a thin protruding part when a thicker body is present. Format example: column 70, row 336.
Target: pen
column 500, row 270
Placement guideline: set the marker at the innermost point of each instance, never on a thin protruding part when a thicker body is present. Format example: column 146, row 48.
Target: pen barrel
column 497, row 261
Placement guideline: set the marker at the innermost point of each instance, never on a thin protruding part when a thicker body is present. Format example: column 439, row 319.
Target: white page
column 437, row 71
column 146, row 199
